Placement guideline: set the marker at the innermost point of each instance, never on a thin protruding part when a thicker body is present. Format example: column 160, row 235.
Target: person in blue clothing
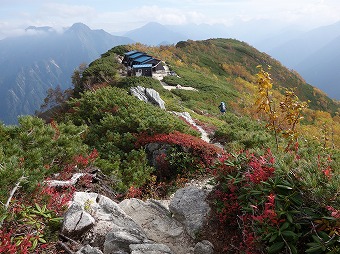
column 222, row 107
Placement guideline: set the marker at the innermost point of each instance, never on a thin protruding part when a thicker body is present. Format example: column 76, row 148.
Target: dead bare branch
column 17, row 185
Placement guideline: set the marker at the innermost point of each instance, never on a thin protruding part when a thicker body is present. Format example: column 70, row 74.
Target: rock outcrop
column 91, row 217
column 134, row 226
column 148, row 95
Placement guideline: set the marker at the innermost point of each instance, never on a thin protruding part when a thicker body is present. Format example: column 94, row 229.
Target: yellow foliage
column 286, row 121
column 179, row 63
column 195, row 67
column 238, row 70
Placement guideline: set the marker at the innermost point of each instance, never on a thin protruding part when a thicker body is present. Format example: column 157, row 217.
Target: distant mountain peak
column 30, row 66
column 154, row 33
column 154, row 24
column 79, row 27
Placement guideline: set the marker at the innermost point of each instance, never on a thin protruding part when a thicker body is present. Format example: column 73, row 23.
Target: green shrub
column 134, row 170
column 114, row 118
column 34, row 150
column 242, row 132
column 146, row 82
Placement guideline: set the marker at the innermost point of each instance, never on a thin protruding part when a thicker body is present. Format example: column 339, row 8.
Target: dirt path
column 159, row 75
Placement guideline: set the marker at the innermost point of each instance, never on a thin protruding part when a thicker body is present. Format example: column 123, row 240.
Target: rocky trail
column 159, row 75
column 95, row 224
column 100, row 225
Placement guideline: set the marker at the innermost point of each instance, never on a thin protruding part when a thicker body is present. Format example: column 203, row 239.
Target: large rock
column 139, row 92
column 137, row 227
column 148, row 95
column 158, row 224
column 76, row 221
column 154, row 98
column 189, row 206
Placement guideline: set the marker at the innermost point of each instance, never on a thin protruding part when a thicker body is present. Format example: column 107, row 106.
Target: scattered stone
column 204, row 247
column 188, row 118
column 158, row 224
column 89, row 250
column 150, row 249
column 190, row 208
column 119, row 240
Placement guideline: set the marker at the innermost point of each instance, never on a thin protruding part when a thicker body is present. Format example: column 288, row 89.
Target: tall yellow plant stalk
column 285, row 121
column 265, row 103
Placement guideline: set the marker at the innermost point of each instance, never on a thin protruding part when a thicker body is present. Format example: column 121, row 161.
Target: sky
column 117, row 16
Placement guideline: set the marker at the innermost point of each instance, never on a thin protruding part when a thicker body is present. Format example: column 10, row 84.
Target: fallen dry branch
column 72, row 181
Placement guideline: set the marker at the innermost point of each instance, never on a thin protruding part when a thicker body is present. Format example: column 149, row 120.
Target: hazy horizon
column 117, row 17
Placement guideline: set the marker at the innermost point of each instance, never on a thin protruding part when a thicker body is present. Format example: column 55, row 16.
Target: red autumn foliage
column 260, row 170
column 269, row 214
column 134, row 192
column 83, row 161
column 236, row 174
column 10, row 247
column 203, row 150
column 17, row 236
column 324, row 165
column 57, row 198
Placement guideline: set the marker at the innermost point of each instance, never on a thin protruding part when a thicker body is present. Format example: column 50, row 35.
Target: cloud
column 114, row 16
column 60, row 15
column 68, row 11
column 132, row 18
column 208, row 2
column 9, row 30
column 163, row 15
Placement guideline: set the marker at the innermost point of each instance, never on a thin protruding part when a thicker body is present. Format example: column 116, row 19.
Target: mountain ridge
column 31, row 60
column 305, row 44
column 289, row 45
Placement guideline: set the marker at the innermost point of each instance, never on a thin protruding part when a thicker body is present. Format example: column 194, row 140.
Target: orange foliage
column 238, row 70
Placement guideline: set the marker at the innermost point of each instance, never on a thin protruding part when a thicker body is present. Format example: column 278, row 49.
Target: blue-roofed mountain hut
column 141, row 59
column 142, row 70
column 138, row 63
column 129, row 56
column 156, row 64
